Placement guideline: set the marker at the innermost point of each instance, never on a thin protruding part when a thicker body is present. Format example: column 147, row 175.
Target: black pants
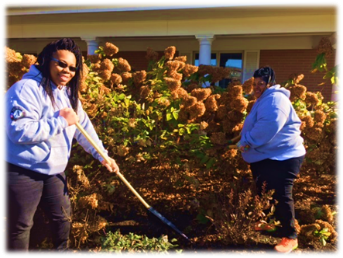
column 279, row 175
column 25, row 190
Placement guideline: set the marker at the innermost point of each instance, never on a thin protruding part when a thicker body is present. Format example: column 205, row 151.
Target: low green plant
column 322, row 235
column 116, row 242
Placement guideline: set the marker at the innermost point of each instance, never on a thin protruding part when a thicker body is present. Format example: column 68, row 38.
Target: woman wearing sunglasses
column 42, row 109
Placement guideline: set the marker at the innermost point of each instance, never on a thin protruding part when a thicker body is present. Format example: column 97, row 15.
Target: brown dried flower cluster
column 189, row 101
column 83, row 84
column 229, row 126
column 297, row 92
column 172, row 69
column 201, row 94
column 116, row 78
column 205, row 69
column 319, row 116
column 174, row 66
column 182, row 93
column 235, row 116
column 172, row 83
column 191, row 109
column 211, row 103
column 325, row 46
column 197, row 110
column 189, row 70
column 314, row 133
column 234, row 82
column 110, row 49
column 107, row 64
column 15, row 68
column 163, row 102
column 105, row 74
column 144, row 91
column 311, row 99
column 181, row 59
column 176, row 75
column 139, row 77
column 296, row 77
column 125, row 77
column 103, row 90
column 248, row 86
column 96, row 58
column 235, row 92
column 151, row 54
column 28, row 60
column 192, row 86
column 10, row 55
column 123, row 65
column 221, row 111
column 308, row 122
column 169, row 52
column 219, row 73
column 239, row 104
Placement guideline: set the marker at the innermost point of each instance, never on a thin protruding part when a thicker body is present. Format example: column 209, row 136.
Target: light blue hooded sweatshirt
column 272, row 128
column 38, row 138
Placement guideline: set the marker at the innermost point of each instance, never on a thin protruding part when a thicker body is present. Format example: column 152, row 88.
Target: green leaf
column 176, row 115
column 127, row 102
column 204, row 159
column 182, row 131
column 202, row 219
column 210, row 163
column 121, row 96
column 188, row 130
column 169, row 116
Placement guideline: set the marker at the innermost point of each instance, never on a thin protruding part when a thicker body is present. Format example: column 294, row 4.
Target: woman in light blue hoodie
column 41, row 112
column 272, row 145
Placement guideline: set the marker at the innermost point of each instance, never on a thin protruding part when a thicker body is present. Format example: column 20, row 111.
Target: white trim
column 18, row 9
column 246, row 74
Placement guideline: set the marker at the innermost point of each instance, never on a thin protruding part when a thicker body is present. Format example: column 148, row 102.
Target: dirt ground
column 309, row 191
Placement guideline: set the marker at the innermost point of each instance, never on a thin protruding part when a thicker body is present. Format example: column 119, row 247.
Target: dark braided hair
column 267, row 74
column 43, row 66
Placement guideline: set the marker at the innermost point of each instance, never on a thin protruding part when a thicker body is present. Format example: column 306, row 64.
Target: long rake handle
column 90, row 140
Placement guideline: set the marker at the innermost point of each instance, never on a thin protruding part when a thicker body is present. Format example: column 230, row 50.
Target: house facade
column 244, row 37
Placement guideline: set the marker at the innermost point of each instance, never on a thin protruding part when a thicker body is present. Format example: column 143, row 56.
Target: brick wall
column 286, row 62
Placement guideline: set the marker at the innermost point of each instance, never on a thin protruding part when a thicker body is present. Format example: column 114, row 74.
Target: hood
column 275, row 88
column 33, row 74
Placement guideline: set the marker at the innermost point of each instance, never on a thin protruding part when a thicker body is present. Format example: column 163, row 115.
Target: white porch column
column 92, row 44
column 205, row 48
column 338, row 60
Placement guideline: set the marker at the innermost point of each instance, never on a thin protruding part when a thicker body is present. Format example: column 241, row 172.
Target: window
column 229, row 60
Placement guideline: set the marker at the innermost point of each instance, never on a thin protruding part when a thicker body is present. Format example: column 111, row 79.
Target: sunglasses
column 64, row 65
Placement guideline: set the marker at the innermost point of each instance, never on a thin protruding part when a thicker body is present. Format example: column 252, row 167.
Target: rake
column 150, row 209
